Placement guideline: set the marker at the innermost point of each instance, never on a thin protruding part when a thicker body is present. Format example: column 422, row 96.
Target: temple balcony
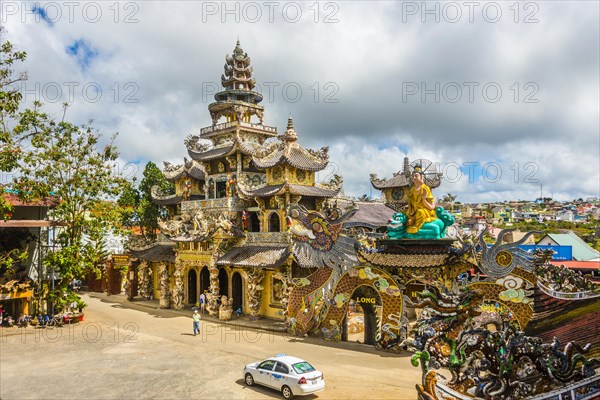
column 268, row 238
column 230, row 126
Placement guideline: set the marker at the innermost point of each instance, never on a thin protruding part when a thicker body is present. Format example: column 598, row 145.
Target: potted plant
column 80, row 306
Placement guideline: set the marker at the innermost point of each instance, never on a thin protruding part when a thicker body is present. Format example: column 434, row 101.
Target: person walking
column 202, row 302
column 196, row 317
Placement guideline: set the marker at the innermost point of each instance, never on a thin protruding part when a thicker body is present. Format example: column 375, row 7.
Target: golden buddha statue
column 421, row 206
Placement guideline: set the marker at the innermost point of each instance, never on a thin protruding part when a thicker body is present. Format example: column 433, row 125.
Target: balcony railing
column 267, row 238
column 568, row 295
column 204, row 204
column 228, row 125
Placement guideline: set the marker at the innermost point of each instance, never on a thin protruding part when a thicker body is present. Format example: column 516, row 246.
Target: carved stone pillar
column 286, row 278
column 213, row 295
column 254, row 279
column 178, row 287
column 145, row 280
column 165, row 291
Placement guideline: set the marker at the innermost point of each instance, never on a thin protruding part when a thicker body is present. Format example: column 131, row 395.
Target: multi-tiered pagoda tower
column 228, row 215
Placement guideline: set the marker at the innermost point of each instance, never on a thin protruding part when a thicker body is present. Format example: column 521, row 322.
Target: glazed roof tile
column 371, row 214
column 167, row 200
column 399, row 180
column 295, row 156
column 163, row 251
column 211, row 154
column 272, row 190
column 190, row 168
column 255, row 256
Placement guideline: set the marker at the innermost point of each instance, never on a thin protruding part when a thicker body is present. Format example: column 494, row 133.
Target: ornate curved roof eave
column 211, row 154
column 313, row 191
column 398, row 180
column 265, row 191
column 190, row 168
column 164, row 199
column 296, row 156
column 195, row 170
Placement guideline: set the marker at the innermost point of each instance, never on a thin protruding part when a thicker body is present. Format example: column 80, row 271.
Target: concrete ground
column 127, row 351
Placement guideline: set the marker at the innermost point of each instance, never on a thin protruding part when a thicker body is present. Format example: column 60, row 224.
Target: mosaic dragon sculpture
column 490, row 359
column 317, row 243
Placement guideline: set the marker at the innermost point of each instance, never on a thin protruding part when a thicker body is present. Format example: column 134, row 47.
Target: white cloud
column 153, row 76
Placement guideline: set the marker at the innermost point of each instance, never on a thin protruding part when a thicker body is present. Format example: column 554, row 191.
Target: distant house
column 502, row 214
column 581, row 250
column 515, row 236
column 565, row 215
column 474, row 225
column 25, row 230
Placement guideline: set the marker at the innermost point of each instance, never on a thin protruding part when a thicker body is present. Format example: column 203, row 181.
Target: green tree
column 67, row 161
column 10, row 143
column 147, row 211
column 10, row 101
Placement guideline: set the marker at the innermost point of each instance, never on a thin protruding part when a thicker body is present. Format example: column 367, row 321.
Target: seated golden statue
column 422, row 219
column 421, row 206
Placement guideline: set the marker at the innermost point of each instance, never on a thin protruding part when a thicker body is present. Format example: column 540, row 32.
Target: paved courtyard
column 126, row 351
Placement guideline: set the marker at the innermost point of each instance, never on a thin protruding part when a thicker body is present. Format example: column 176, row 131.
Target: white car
column 291, row 375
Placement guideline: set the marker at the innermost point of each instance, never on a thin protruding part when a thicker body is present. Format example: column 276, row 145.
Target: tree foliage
column 139, row 210
column 64, row 160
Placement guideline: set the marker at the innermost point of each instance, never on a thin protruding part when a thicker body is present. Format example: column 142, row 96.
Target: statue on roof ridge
column 422, row 220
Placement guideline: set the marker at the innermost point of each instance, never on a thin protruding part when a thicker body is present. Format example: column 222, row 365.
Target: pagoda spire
column 238, row 72
column 238, row 101
column 290, row 134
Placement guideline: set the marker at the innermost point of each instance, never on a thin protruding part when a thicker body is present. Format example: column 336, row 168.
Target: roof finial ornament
column 290, row 134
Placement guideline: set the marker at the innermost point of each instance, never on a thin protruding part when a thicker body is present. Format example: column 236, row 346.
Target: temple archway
column 237, row 290
column 223, row 283
column 364, row 315
column 390, row 329
column 192, row 286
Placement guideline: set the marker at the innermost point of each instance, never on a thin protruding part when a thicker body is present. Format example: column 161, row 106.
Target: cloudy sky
column 503, row 96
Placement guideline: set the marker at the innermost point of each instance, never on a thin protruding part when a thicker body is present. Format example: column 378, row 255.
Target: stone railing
column 228, row 125
column 267, row 238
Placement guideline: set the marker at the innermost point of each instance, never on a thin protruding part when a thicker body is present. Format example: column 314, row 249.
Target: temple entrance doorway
column 364, row 316
column 237, row 291
column 223, row 283
column 192, row 287
column 204, row 280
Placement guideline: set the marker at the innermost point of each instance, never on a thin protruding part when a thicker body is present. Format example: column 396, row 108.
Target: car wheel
column 286, row 392
column 249, row 380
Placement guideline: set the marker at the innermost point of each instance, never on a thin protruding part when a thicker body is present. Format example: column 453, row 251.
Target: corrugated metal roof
column 581, row 250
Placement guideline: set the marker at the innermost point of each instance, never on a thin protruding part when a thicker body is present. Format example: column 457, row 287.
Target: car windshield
column 302, row 367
